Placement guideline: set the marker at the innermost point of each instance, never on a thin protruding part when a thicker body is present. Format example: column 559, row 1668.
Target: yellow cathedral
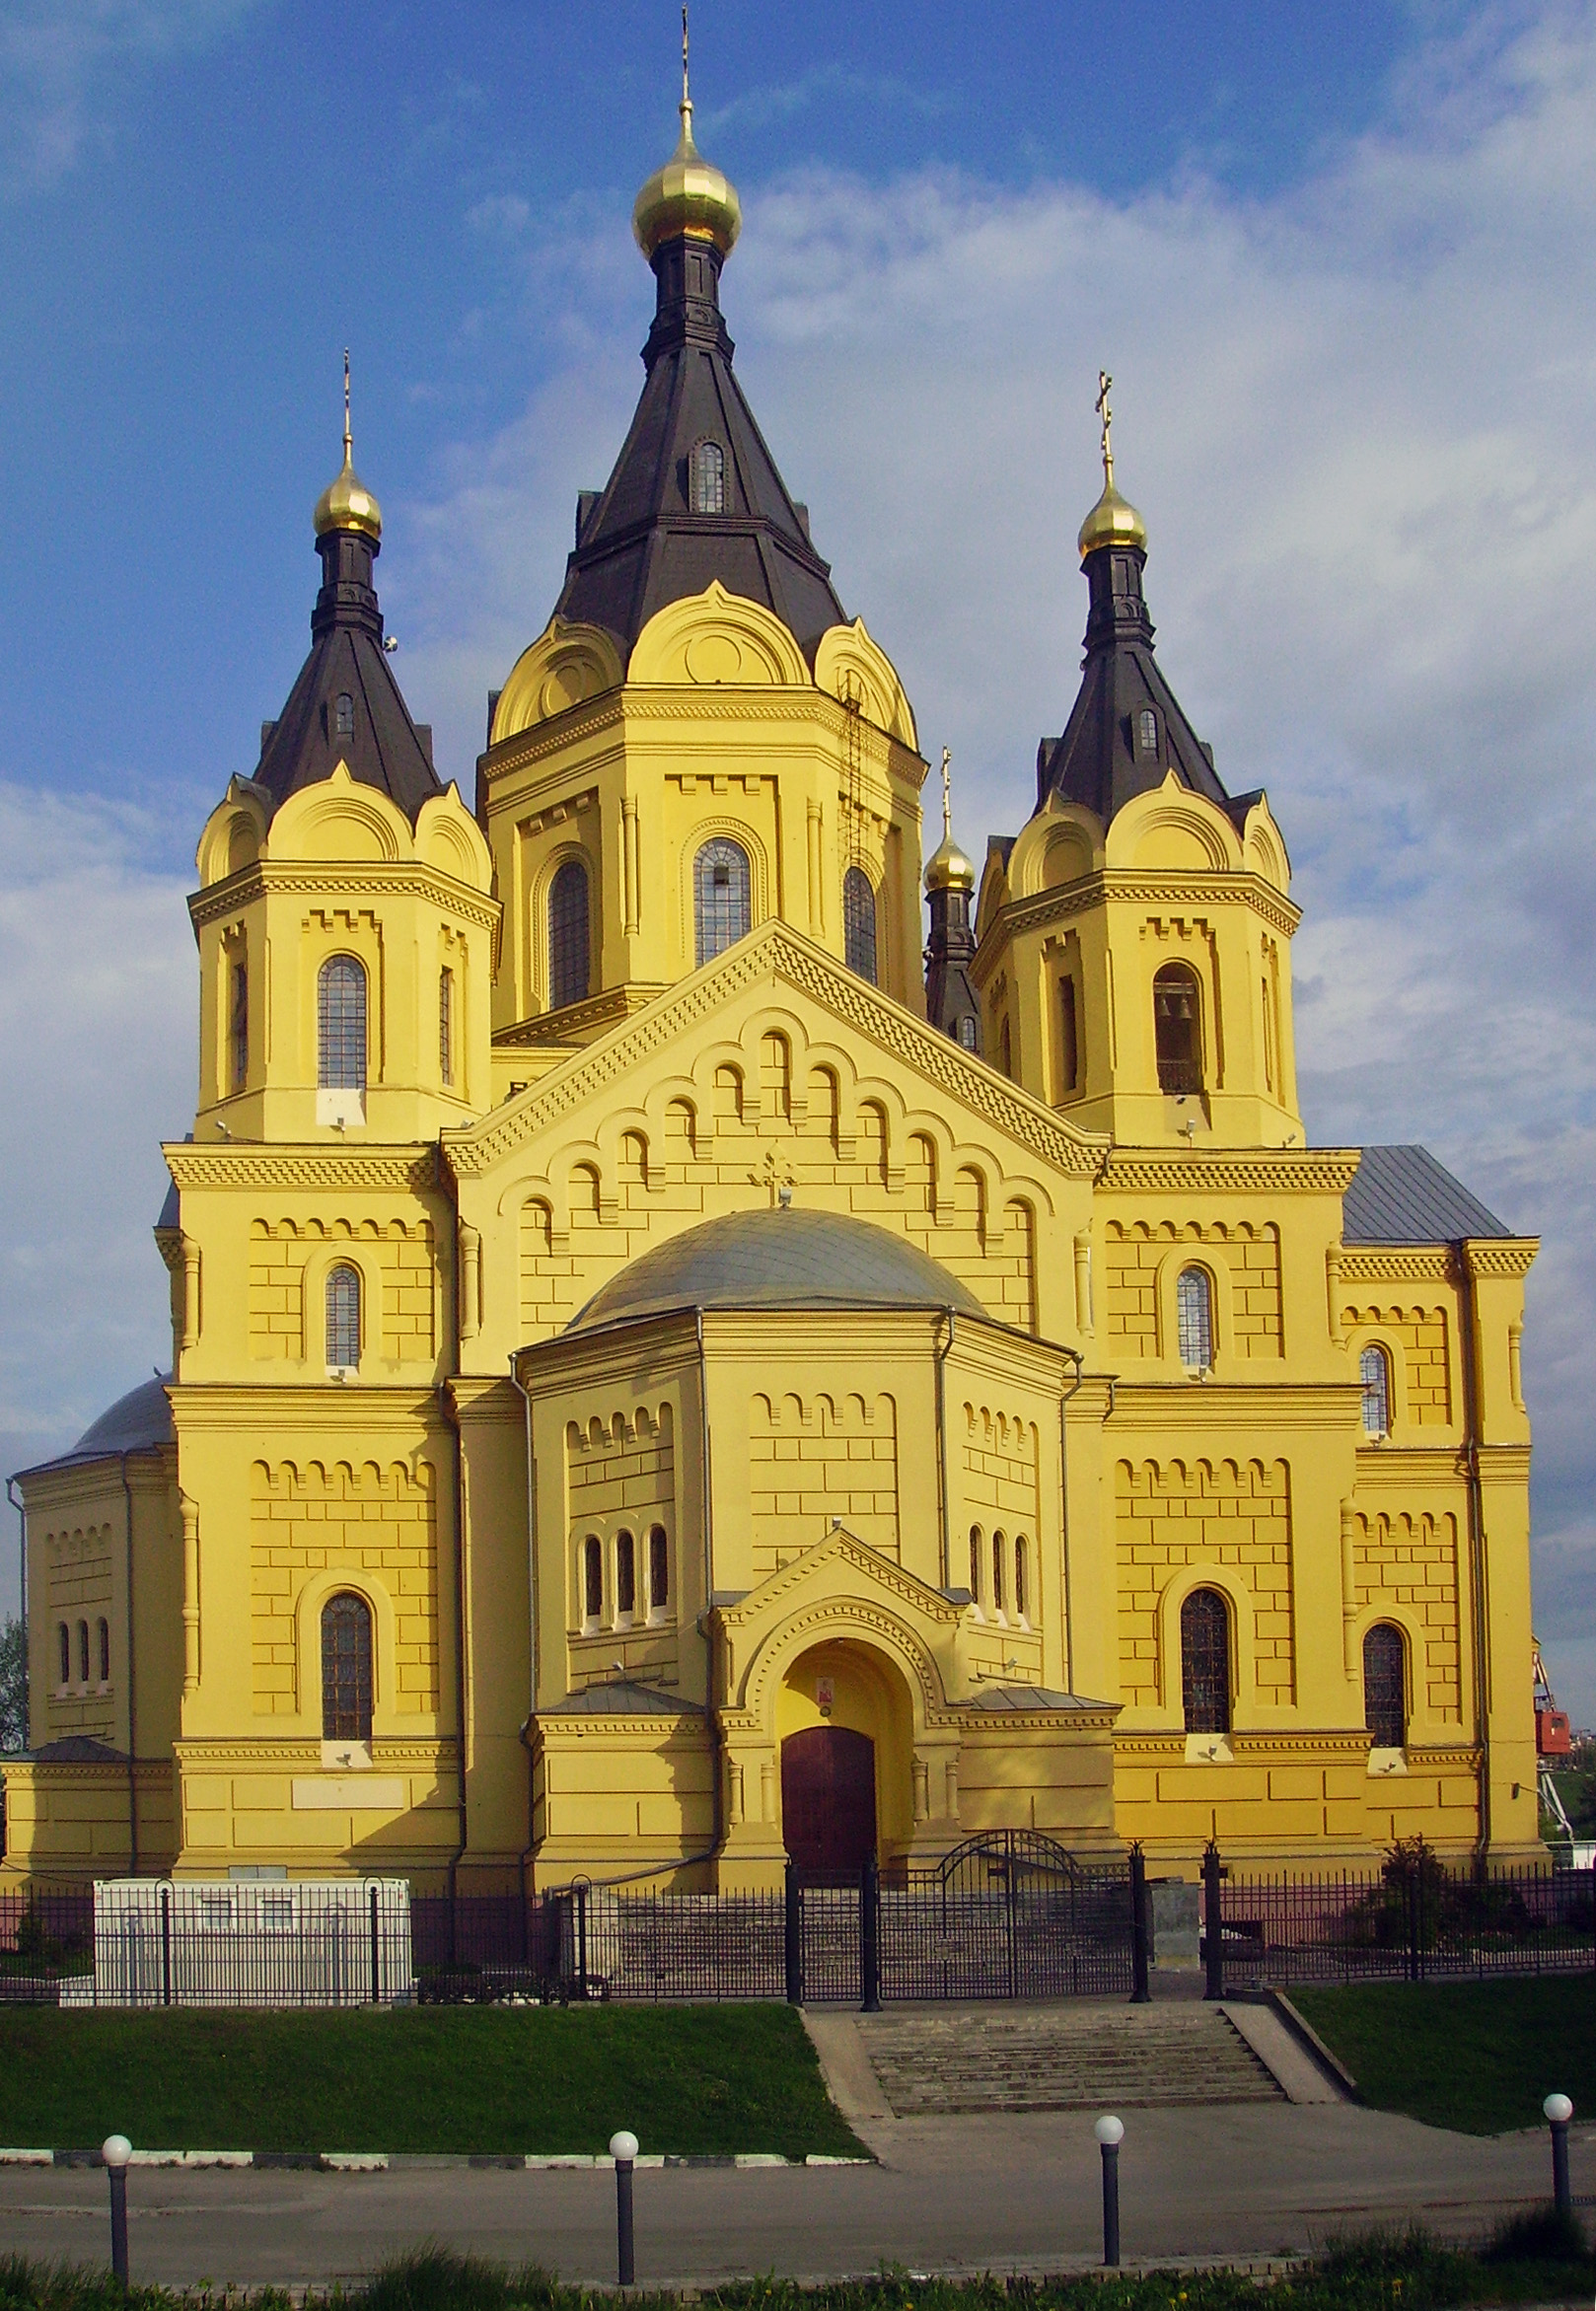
column 675, row 1364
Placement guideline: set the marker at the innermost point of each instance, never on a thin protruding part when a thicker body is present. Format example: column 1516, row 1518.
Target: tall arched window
column 625, row 1577
column 1374, row 1370
column 240, row 1025
column 346, row 1668
column 83, row 1652
column 659, row 1570
column 974, row 1564
column 708, row 478
column 859, row 923
column 343, row 1317
column 569, row 939
column 1022, row 1584
column 1070, row 1059
column 1177, row 1028
column 446, row 1024
column 343, row 716
column 341, row 1023
column 997, row 1573
column 1205, row 1662
column 592, row 1581
column 1385, row 1681
column 1005, row 1049
column 105, row 1652
column 1194, row 1318
column 65, row 1648
column 722, row 897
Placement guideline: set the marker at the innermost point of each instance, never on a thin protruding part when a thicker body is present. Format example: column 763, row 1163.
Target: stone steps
column 1060, row 2058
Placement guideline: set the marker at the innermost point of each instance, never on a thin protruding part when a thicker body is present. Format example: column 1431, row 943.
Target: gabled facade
column 658, row 1383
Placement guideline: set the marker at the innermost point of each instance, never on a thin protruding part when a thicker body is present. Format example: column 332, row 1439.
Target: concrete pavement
column 1002, row 2191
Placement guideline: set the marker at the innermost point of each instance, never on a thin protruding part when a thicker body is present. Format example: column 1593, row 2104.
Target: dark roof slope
column 140, row 1422
column 640, row 541
column 1402, row 1195
column 621, row 1698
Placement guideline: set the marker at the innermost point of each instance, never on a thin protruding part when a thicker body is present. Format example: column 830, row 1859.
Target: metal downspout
column 1064, row 1521
column 531, row 1605
column 133, row 1712
column 718, row 1819
column 21, row 1507
column 942, row 1487
column 451, row 1414
column 1477, row 1538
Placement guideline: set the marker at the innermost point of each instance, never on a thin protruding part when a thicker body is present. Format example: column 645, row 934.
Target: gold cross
column 1104, row 385
column 685, row 99
column 348, row 437
column 947, row 795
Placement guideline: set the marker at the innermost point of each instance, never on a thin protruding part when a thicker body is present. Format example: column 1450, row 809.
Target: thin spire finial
column 1104, row 384
column 348, row 437
column 947, row 794
column 686, row 97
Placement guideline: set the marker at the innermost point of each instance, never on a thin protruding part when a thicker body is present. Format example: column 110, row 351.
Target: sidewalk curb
column 380, row 2162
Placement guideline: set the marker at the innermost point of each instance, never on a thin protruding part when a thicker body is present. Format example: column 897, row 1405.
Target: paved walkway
column 1003, row 2191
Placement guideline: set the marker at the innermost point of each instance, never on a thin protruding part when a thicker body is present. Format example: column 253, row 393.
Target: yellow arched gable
column 717, row 638
column 447, row 837
column 1172, row 829
column 566, row 665
column 850, row 665
column 1264, row 847
column 235, row 834
column 336, row 819
column 1059, row 844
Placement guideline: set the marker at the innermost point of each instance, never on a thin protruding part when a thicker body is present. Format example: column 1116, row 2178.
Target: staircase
column 1080, row 2057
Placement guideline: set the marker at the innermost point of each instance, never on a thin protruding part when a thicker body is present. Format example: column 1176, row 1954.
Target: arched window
column 1177, row 1028
column 708, row 478
column 346, row 1668
column 625, row 1576
column 659, row 1570
column 341, row 1023
column 974, row 1564
column 1068, row 1038
column 1194, row 1317
column 1205, row 1662
column 859, row 923
column 83, row 1652
column 1022, row 1585
column 343, row 1317
column 967, row 1032
column 1005, row 1049
column 997, row 1573
column 343, row 716
column 592, row 1580
column 446, row 1024
column 240, row 1025
column 65, row 1636
column 105, row 1652
column 722, row 897
column 1385, row 1697
column 569, row 939
column 1374, row 1370
column 1147, row 732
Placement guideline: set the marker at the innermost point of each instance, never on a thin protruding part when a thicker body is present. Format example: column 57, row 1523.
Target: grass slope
column 1479, row 2058
column 432, row 2078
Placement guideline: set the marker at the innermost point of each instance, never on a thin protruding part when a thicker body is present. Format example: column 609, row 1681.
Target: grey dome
column 777, row 1260
column 134, row 1423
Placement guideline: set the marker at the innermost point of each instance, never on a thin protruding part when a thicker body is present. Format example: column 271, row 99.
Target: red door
column 829, row 1798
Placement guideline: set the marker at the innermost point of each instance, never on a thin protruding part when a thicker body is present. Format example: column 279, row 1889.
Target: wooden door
column 828, row 1799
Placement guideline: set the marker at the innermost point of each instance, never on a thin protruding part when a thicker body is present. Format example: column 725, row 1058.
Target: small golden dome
column 347, row 504
column 948, row 869
column 689, row 195
column 1112, row 522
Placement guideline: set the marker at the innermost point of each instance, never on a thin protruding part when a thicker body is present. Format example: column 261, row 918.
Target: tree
column 13, row 1686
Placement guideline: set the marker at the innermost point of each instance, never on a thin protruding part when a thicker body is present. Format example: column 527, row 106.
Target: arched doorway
column 828, row 1799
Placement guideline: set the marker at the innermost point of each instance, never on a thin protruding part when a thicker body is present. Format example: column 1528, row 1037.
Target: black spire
column 951, row 1002
column 694, row 494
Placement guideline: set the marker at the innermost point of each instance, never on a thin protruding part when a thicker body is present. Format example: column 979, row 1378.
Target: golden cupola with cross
column 701, row 741
column 1133, row 940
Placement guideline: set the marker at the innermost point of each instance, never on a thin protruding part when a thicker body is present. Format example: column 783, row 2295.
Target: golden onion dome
column 347, row 504
column 1113, row 521
column 689, row 195
column 948, row 869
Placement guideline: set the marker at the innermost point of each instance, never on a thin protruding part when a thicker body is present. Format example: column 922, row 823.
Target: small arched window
column 1005, row 1049
column 967, row 1032
column 105, row 1652
column 1205, row 1662
column 569, row 937
column 1194, row 1318
column 239, row 1030
column 859, row 923
column 66, row 1647
column 346, row 1668
column 343, row 1317
column 659, row 1570
column 1384, row 1681
column 1069, row 1058
column 344, row 715
column 1374, row 1370
column 1022, row 1584
column 722, row 897
column 625, row 1576
column 997, row 1573
column 592, row 1580
column 974, row 1564
column 1177, row 1028
column 83, row 1652
column 446, row 1024
column 341, row 1023
column 1148, row 734
column 708, row 478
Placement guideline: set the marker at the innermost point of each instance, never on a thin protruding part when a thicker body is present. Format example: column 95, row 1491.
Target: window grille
column 1375, row 1372
column 593, row 1578
column 1205, row 1662
column 446, row 1024
column 1177, row 1030
column 1068, row 1042
column 1021, row 1585
column 967, row 1032
column 1193, row 1312
column 997, row 1573
column 105, row 1652
column 346, row 1668
column 659, row 1570
column 341, row 1023
column 625, row 1576
column 344, row 715
column 1385, row 1681
column 570, row 938
column 859, row 923
column 343, row 1317
column 66, row 1654
column 241, row 1024
column 83, row 1652
column 708, row 478
column 1147, row 731
column 722, row 897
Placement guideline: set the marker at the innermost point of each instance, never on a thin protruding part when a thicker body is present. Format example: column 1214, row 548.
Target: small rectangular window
column 240, row 1030
column 1069, row 1046
column 446, row 1024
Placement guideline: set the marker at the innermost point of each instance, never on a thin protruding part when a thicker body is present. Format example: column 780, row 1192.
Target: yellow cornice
column 1396, row 1264
column 485, row 1398
column 301, row 1408
column 1216, row 1409
column 1179, row 892
column 1285, row 1171
column 342, row 879
column 573, row 1021
column 654, row 702
column 776, row 951
column 1400, row 1467
column 1338, row 1741
column 203, row 1755
column 251, row 1164
column 1498, row 1255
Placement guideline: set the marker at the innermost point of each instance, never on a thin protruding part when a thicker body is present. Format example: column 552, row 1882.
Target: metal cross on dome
column 1104, row 384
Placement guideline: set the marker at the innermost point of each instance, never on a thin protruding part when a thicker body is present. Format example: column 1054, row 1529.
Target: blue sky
column 1341, row 261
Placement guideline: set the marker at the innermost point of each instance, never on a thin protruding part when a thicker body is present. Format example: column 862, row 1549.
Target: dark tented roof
column 77, row 1749
column 640, row 541
column 621, row 1698
column 1402, row 1195
column 777, row 1260
column 139, row 1421
column 1007, row 1697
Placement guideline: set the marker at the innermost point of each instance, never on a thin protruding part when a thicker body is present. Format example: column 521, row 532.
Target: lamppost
column 624, row 2151
column 1559, row 2110
column 1110, row 2135
column 115, row 2152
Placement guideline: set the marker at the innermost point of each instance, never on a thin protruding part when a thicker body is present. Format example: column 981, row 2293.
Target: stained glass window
column 343, row 1317
column 346, row 1668
column 859, row 923
column 1205, row 1662
column 341, row 1023
column 722, row 897
column 1193, row 1313
column 1383, row 1687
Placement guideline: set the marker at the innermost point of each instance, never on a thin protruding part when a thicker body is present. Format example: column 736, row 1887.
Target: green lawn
column 430, row 2078
column 1479, row 2058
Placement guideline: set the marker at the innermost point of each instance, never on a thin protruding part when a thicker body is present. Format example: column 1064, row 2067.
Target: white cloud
column 54, row 53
